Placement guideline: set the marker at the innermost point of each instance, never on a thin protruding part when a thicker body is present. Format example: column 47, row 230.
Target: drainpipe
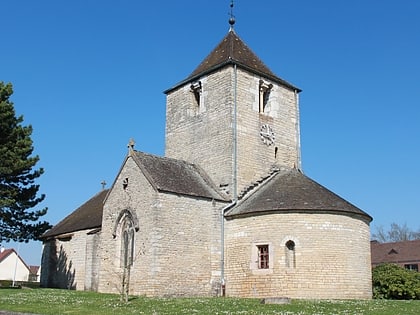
column 235, row 135
column 298, row 148
column 235, row 184
column 222, row 244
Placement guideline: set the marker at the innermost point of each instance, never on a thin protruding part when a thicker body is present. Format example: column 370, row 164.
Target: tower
column 234, row 117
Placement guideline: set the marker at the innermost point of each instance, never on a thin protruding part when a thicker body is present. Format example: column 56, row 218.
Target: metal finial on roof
column 103, row 183
column 232, row 17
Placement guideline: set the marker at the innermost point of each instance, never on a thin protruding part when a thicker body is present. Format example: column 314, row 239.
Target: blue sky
column 88, row 75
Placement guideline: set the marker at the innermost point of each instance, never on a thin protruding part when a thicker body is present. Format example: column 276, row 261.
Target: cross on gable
column 131, row 144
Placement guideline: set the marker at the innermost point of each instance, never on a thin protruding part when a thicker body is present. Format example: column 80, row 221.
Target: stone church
column 226, row 212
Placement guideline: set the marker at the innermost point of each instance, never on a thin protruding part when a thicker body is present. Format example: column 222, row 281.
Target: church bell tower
column 234, row 118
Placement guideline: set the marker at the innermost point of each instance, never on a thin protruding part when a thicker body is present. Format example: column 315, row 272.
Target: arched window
column 127, row 242
column 290, row 254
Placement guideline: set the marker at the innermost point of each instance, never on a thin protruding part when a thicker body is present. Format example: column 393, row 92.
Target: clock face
column 267, row 134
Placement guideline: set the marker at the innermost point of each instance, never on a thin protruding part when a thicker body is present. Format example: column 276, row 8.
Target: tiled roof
column 232, row 50
column 87, row 216
column 34, row 269
column 165, row 174
column 5, row 253
column 395, row 252
column 290, row 191
column 177, row 176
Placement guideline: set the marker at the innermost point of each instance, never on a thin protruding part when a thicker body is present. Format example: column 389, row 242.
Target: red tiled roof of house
column 5, row 253
column 33, row 270
column 395, row 252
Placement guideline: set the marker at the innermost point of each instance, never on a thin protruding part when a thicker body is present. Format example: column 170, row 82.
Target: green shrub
column 5, row 283
column 26, row 284
column 394, row 282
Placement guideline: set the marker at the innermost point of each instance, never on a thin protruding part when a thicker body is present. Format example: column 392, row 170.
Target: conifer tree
column 18, row 191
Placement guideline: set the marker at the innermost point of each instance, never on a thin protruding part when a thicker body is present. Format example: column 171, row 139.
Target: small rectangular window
column 414, row 267
column 265, row 90
column 196, row 90
column 263, row 257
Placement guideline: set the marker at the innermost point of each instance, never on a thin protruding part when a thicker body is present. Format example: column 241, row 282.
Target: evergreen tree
column 18, row 193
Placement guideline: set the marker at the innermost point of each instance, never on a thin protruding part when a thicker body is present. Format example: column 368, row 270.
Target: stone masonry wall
column 204, row 134
column 256, row 158
column 92, row 262
column 177, row 246
column 64, row 261
column 332, row 256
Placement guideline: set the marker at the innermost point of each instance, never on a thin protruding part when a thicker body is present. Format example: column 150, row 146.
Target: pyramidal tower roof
column 232, row 50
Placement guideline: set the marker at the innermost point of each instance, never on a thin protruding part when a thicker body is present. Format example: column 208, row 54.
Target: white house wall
column 8, row 267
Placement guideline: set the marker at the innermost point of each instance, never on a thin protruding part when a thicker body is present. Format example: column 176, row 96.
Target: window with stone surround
column 263, row 257
column 290, row 254
column 196, row 91
column 264, row 94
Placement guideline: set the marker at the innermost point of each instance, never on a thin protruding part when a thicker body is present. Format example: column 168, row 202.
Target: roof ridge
column 259, row 182
column 226, row 50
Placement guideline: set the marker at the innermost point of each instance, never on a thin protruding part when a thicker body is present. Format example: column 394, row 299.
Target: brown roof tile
column 177, row 176
column 87, row 216
column 395, row 252
column 232, row 50
column 165, row 174
column 290, row 190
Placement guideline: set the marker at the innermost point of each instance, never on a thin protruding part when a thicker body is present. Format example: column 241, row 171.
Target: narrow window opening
column 125, row 254
column 290, row 254
column 263, row 257
column 196, row 90
column 265, row 90
column 127, row 243
column 275, row 152
column 125, row 183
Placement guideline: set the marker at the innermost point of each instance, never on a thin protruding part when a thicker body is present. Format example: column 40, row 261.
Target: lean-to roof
column 87, row 216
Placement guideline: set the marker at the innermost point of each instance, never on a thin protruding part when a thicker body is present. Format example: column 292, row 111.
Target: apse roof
column 232, row 50
column 289, row 191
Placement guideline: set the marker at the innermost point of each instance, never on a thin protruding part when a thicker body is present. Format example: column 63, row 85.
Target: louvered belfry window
column 263, row 257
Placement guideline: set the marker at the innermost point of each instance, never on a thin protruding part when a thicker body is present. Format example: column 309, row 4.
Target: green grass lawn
column 55, row 302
